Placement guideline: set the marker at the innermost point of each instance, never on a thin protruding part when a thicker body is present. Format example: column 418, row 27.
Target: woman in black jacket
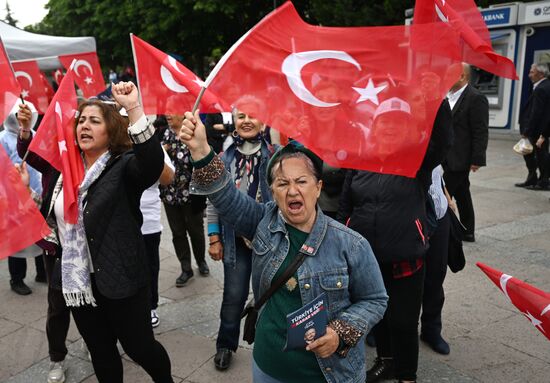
column 389, row 211
column 104, row 268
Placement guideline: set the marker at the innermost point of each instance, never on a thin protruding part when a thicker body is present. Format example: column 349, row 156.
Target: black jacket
column 389, row 210
column 471, row 131
column 112, row 218
column 534, row 118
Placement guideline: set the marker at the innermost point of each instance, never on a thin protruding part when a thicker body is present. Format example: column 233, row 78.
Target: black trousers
column 152, row 243
column 539, row 158
column 59, row 316
column 18, row 267
column 436, row 270
column 458, row 186
column 127, row 320
column 184, row 220
column 397, row 333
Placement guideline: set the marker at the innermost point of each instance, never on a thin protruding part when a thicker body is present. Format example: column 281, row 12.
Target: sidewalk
column 490, row 340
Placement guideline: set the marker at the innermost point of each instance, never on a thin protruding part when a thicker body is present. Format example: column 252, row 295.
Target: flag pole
column 198, row 100
column 136, row 66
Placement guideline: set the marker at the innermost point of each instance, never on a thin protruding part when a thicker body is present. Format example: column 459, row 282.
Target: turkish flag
column 55, row 142
column 464, row 17
column 87, row 72
column 21, row 223
column 166, row 86
column 48, row 89
column 532, row 302
column 9, row 87
column 358, row 97
column 32, row 85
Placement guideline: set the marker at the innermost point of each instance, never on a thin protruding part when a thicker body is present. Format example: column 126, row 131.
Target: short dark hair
column 119, row 142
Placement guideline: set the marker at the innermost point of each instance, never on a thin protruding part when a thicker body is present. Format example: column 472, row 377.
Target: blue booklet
column 306, row 324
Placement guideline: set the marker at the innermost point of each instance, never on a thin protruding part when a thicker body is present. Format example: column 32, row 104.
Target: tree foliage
column 9, row 17
column 199, row 31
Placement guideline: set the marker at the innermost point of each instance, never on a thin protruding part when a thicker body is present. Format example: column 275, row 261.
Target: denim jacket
column 340, row 263
column 226, row 230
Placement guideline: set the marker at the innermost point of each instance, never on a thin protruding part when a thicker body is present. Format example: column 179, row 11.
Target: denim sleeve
column 367, row 291
column 233, row 206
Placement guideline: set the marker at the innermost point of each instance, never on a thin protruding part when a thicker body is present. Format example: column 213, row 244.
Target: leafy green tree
column 9, row 18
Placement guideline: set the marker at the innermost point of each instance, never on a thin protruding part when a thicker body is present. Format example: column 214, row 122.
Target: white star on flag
column 62, row 146
column 534, row 321
column 370, row 92
column 24, row 93
column 88, row 80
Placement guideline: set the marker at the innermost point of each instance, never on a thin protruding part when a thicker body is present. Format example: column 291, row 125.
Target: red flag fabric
column 21, row 223
column 464, row 17
column 32, row 85
column 48, row 89
column 55, row 142
column 359, row 97
column 166, row 86
column 87, row 72
column 9, row 87
column 532, row 302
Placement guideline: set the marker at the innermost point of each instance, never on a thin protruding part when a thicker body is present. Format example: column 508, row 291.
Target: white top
column 150, row 204
column 436, row 192
column 58, row 208
column 454, row 96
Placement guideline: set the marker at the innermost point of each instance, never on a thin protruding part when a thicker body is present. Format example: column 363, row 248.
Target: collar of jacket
column 315, row 237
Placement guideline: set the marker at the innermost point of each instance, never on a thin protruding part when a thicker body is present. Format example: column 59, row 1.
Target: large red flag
column 32, row 85
column 464, row 17
column 21, row 224
column 48, row 89
column 87, row 72
column 9, row 87
column 166, row 86
column 359, row 97
column 55, row 142
column 532, row 302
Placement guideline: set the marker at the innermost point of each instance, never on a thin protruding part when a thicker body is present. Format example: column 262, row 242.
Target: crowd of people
column 279, row 219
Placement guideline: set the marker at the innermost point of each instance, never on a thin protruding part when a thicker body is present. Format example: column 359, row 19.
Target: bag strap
column 290, row 270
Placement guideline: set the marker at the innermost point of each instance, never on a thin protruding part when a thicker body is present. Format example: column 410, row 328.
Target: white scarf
column 75, row 263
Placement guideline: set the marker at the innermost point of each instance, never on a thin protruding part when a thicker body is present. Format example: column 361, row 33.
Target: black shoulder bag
column 251, row 310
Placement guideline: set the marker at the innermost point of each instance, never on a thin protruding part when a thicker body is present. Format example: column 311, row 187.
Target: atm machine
column 521, row 32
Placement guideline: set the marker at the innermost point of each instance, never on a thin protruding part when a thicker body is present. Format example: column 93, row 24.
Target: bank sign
column 493, row 17
column 537, row 12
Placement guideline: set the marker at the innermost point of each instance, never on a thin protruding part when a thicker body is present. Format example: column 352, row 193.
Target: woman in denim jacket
column 246, row 159
column 339, row 263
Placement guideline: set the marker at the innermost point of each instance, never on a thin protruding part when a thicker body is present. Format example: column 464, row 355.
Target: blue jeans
column 258, row 376
column 236, row 284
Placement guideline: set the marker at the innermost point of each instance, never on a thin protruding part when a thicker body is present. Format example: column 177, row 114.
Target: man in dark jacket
column 534, row 122
column 470, row 110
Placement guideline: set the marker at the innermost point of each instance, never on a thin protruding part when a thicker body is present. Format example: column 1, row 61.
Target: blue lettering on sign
column 496, row 16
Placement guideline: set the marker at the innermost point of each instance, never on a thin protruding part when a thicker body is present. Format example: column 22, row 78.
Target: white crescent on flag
column 79, row 63
column 292, row 68
column 169, row 79
column 21, row 73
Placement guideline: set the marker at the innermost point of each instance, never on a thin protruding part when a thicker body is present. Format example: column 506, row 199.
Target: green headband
column 295, row 147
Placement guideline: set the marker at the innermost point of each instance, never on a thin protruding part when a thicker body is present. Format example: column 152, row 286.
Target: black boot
column 531, row 180
column 382, row 370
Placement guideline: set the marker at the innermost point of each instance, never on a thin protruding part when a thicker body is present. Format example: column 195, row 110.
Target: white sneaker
column 57, row 373
column 155, row 321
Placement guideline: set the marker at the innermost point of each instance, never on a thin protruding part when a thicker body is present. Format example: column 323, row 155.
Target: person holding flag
column 288, row 234
column 104, row 268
